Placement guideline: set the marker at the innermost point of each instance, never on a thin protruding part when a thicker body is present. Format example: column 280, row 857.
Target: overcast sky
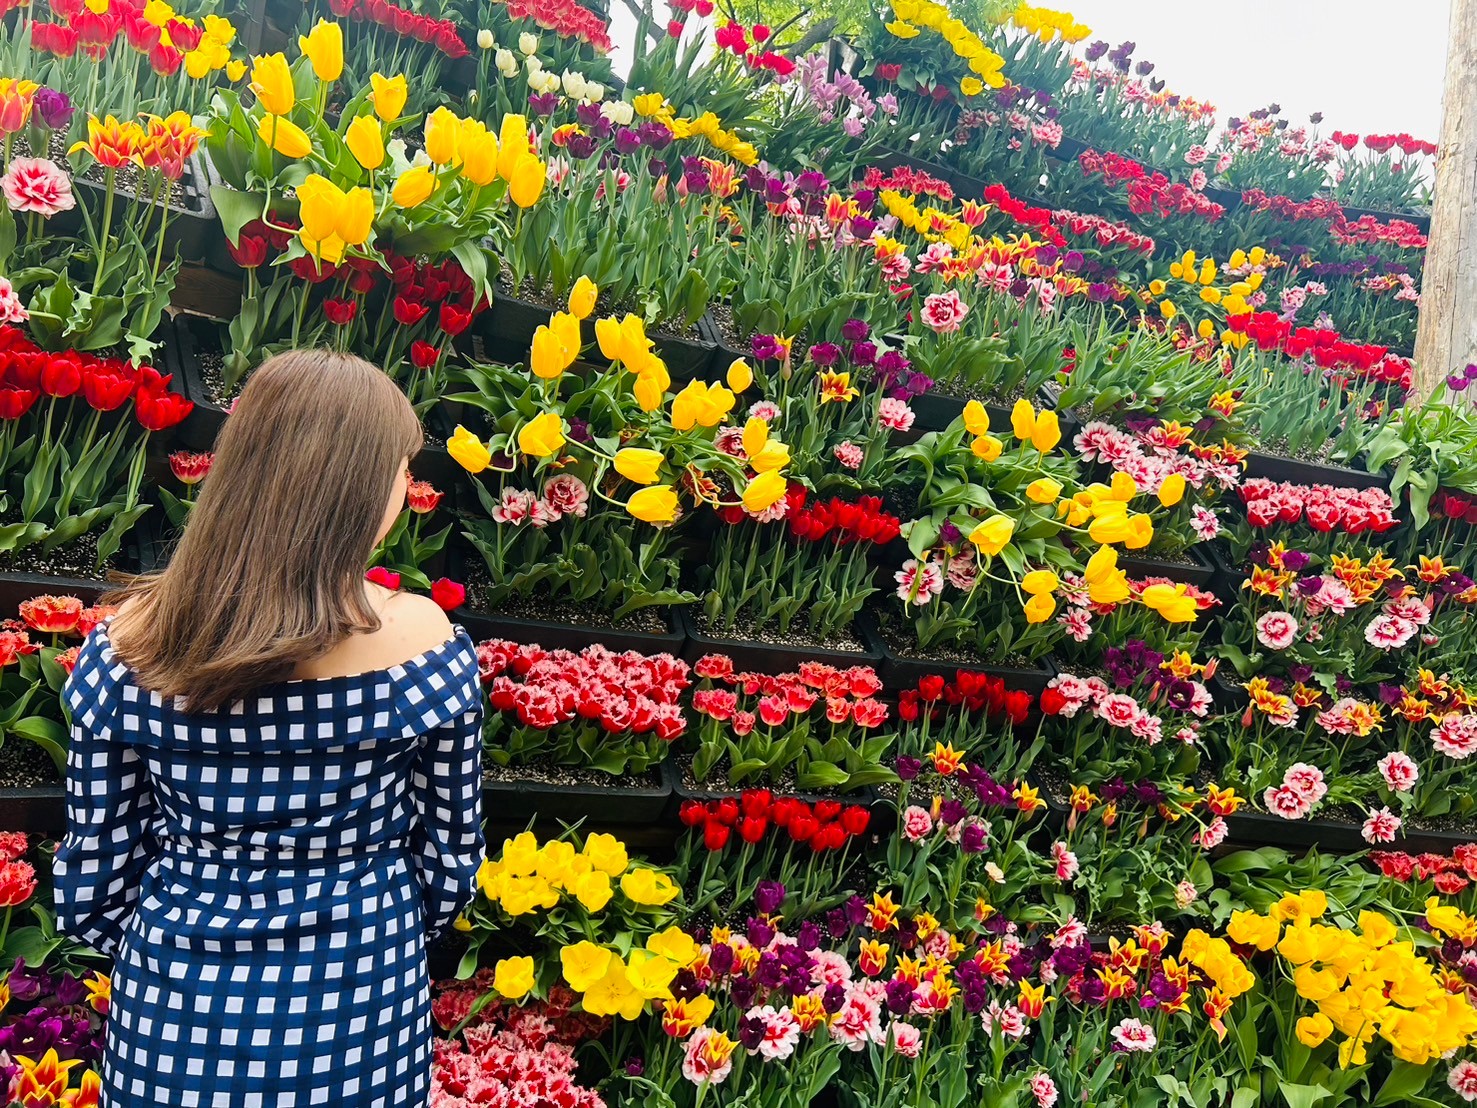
column 1371, row 66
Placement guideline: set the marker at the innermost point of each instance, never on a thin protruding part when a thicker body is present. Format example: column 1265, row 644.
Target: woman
column 273, row 780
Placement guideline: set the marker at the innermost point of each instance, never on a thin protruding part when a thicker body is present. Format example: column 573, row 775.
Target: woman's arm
column 101, row 863
column 447, row 785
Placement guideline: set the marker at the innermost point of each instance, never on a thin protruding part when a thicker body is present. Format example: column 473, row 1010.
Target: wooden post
column 1446, row 338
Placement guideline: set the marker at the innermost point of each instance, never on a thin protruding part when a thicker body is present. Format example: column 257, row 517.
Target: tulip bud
column 271, row 82
column 638, row 465
column 528, row 43
column 594, row 91
column 284, row 136
column 582, row 297
column 654, row 504
column 506, row 63
column 324, row 46
column 388, row 96
column 485, row 41
column 414, row 186
column 526, row 184
column 365, row 142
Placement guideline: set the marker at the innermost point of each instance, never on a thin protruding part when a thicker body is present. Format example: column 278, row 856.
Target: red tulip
column 752, row 828
column 61, row 375
column 384, row 577
column 15, row 402
column 448, row 594
column 423, row 355
column 250, row 252
column 408, row 313
column 55, row 615
column 340, row 312
column 159, row 411
column 106, row 388
column 190, row 468
column 855, row 820
column 692, row 813
column 454, row 320
column 715, row 835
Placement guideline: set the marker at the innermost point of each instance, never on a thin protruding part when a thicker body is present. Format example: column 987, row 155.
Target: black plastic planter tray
column 904, row 672
column 1200, row 574
column 762, row 657
column 18, row 587
column 41, row 810
column 1312, row 473
column 620, row 805
column 1227, row 690
column 194, row 335
column 687, row 358
column 934, row 411
column 507, row 327
column 193, row 226
column 1228, row 580
column 566, row 636
column 1332, row 837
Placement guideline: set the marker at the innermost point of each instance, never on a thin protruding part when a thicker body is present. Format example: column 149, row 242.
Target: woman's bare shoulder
column 410, row 626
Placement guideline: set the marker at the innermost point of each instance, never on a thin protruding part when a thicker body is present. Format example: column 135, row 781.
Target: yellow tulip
column 235, row 70
column 634, row 343
column 593, row 890
column 541, row 436
column 650, row 388
column 654, row 504
column 1140, row 532
column 388, row 95
column 356, row 217
column 775, row 455
column 1172, row 490
column 583, row 964
column 324, row 46
column 479, row 157
column 512, row 141
column 764, row 491
column 1046, row 431
column 971, row 86
column 608, row 337
column 1167, row 309
column 755, row 436
column 987, row 448
column 1043, row 490
column 976, row 419
column 513, row 977
column 1112, row 589
column 443, row 135
column 1205, row 328
column 635, row 464
column 365, row 142
column 1039, row 582
column 414, row 186
column 1101, row 565
column 1313, row 1030
column 526, row 184
column 1023, row 419
column 739, row 375
column 1039, row 608
column 547, row 358
column 1172, row 602
column 582, row 297
column 271, row 83
column 1109, row 528
column 468, row 450
column 993, row 534
column 284, row 136
column 330, row 249
column 319, row 201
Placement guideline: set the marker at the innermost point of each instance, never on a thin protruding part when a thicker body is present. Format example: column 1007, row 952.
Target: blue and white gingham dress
column 265, row 877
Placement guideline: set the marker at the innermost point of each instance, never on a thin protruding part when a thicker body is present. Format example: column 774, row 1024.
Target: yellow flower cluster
column 212, row 53
column 467, row 146
column 932, row 223
column 1046, row 24
column 612, row 985
column 984, row 64
column 654, row 106
column 1365, row 982
column 531, row 877
column 1200, row 274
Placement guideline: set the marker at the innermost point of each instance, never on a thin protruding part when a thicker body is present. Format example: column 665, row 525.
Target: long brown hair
column 270, row 570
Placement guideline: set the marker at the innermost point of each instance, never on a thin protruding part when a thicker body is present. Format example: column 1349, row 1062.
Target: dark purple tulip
column 907, row 768
column 854, row 330
column 833, row 999
column 543, row 104
column 627, row 141
column 53, row 108
column 825, row 354
column 768, row 897
column 581, row 147
column 863, row 353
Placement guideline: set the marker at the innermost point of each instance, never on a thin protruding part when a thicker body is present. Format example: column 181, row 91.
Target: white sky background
column 1371, row 66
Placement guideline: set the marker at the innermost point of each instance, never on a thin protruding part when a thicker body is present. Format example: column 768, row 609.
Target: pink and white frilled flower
column 1133, row 1036
column 1456, row 736
column 849, row 455
column 919, row 583
column 895, row 414
column 906, row 1039
column 1399, row 771
column 859, row 1021
column 1066, row 862
column 37, row 185
column 943, row 312
column 781, row 1032
column 1276, row 630
column 1463, row 1080
column 1381, row 827
column 1043, row 1088
column 702, row 1063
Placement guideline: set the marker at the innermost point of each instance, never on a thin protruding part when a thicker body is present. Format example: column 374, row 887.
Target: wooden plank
column 202, row 291
column 1446, row 337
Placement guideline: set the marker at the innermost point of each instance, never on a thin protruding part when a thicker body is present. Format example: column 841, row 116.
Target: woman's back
column 264, row 875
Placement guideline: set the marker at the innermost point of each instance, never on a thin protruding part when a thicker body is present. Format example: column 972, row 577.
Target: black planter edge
column 768, row 658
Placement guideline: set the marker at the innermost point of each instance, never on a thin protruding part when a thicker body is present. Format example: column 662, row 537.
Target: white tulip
column 594, row 91
column 507, row 65
column 574, row 85
column 618, row 112
column 485, row 39
column 528, row 43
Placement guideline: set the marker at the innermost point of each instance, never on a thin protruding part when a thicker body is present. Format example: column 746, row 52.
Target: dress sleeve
column 447, row 783
column 110, row 806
